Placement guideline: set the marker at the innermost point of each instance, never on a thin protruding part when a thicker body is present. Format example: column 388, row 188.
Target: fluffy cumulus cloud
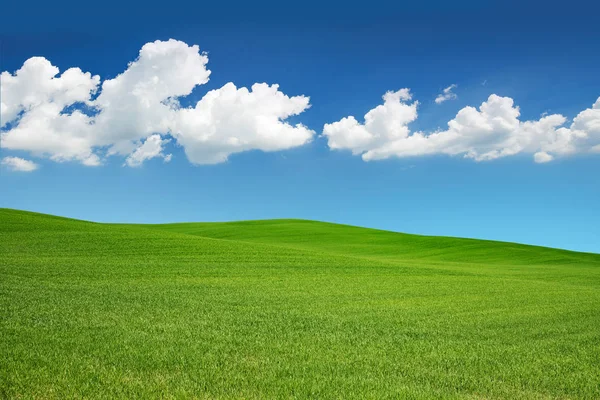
column 74, row 116
column 231, row 120
column 33, row 100
column 447, row 94
column 384, row 124
column 19, row 164
column 492, row 131
column 137, row 115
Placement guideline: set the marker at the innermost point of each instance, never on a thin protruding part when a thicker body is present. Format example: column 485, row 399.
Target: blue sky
column 544, row 57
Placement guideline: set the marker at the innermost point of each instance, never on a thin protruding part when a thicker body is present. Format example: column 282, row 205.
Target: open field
column 289, row 309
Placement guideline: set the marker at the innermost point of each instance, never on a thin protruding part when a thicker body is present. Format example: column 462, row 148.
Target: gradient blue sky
column 544, row 56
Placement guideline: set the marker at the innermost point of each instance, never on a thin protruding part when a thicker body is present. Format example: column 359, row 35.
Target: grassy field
column 289, row 309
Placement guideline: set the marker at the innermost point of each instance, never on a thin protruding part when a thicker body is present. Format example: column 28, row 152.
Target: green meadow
column 289, row 309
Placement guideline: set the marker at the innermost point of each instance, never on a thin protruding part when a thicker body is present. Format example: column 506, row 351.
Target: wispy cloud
column 19, row 164
column 446, row 94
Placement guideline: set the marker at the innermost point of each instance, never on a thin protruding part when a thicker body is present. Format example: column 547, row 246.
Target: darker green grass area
column 289, row 309
column 344, row 239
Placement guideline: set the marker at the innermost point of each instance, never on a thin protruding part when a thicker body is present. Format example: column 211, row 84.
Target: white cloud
column 35, row 85
column 492, row 131
column 75, row 116
column 231, row 120
column 446, row 94
column 151, row 148
column 19, row 164
column 143, row 100
column 57, row 116
column 33, row 100
column 542, row 157
column 384, row 124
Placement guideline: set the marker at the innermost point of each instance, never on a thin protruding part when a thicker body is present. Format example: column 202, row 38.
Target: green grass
column 289, row 309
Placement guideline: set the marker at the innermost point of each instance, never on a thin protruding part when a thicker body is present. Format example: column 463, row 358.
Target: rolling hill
column 289, row 309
